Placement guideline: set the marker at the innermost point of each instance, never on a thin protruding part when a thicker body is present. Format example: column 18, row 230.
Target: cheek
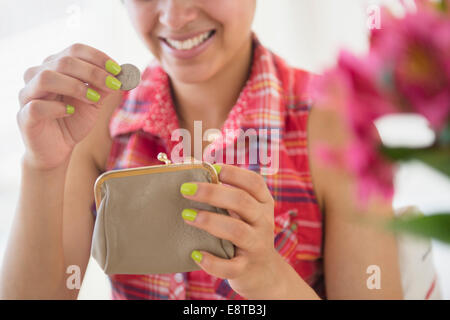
column 143, row 17
column 235, row 16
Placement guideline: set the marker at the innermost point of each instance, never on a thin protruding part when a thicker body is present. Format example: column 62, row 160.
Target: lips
column 191, row 42
column 188, row 42
column 188, row 46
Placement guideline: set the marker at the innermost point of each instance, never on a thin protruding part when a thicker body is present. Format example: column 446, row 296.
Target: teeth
column 189, row 43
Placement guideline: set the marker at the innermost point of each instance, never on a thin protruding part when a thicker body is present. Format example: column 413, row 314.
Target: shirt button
column 178, row 277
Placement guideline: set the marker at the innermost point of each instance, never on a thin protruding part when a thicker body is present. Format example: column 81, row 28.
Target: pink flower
column 413, row 61
column 374, row 172
column 406, row 70
column 351, row 88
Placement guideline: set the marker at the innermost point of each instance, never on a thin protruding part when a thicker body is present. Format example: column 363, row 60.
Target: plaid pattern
column 275, row 96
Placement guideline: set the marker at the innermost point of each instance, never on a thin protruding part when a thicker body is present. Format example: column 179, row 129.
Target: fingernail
column 218, row 167
column 196, row 255
column 113, row 83
column 188, row 189
column 112, row 67
column 92, row 95
column 189, row 214
column 70, row 109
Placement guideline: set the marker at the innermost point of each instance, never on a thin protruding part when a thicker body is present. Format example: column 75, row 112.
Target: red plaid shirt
column 274, row 96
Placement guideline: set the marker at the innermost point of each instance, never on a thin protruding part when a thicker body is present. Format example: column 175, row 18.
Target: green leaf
column 437, row 158
column 436, row 226
column 444, row 135
column 442, row 5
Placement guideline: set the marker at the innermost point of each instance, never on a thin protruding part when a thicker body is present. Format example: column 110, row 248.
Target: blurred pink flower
column 374, row 172
column 413, row 61
column 351, row 89
column 406, row 70
column 366, row 103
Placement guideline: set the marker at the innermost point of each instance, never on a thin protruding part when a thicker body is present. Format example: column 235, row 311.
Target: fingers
column 49, row 81
column 222, row 226
column 220, row 268
column 93, row 56
column 38, row 110
column 86, row 72
column 30, row 73
column 247, row 180
column 49, row 58
column 79, row 62
column 88, row 54
column 76, row 67
column 226, row 197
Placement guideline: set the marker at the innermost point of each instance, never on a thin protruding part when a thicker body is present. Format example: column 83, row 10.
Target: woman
column 213, row 69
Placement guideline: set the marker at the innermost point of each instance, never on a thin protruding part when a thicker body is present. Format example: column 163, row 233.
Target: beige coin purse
column 139, row 228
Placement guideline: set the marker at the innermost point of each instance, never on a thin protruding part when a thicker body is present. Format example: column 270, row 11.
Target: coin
column 130, row 76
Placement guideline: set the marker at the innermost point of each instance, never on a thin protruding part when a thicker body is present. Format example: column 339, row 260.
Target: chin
column 189, row 74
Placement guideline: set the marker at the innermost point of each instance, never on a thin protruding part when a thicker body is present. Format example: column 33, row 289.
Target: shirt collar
column 150, row 106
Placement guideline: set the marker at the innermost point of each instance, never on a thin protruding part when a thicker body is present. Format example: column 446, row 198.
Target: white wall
column 309, row 33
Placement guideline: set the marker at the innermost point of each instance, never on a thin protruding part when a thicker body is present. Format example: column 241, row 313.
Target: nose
column 175, row 14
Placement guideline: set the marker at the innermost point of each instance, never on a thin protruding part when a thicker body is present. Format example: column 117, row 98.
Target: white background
column 308, row 33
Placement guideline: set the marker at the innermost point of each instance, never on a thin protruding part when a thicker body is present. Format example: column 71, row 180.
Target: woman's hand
column 60, row 102
column 250, row 227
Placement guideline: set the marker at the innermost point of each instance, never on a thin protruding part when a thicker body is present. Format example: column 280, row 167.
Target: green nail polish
column 112, row 67
column 92, row 95
column 189, row 214
column 218, row 167
column 70, row 109
column 113, row 83
column 188, row 189
column 196, row 255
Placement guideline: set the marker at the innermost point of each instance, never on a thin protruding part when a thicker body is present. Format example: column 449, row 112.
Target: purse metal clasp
column 163, row 157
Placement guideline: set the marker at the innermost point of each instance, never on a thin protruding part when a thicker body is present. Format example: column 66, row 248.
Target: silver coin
column 130, row 76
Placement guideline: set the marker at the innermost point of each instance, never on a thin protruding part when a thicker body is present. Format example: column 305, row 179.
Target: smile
column 188, row 47
column 190, row 43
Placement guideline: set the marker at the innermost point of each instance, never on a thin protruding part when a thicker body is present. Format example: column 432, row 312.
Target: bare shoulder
column 335, row 183
column 325, row 127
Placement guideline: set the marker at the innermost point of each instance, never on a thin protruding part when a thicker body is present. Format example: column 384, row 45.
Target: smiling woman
column 169, row 29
